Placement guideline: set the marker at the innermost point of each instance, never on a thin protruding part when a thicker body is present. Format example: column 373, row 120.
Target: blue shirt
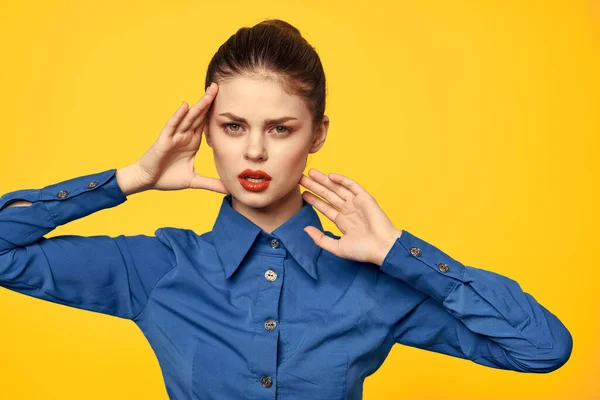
column 237, row 313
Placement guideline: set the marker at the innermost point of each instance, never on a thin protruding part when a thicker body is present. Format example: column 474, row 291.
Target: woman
column 267, row 304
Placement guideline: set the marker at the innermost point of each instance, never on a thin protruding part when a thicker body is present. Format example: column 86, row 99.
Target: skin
column 272, row 148
column 368, row 234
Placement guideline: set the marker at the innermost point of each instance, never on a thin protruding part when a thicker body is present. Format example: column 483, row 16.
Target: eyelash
column 287, row 132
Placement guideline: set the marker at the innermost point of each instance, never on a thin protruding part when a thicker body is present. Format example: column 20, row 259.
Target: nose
column 255, row 148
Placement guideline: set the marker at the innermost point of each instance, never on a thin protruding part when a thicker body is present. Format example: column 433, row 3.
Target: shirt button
column 415, row 251
column 274, row 243
column 270, row 324
column 92, row 184
column 266, row 381
column 270, row 275
column 62, row 194
column 443, row 267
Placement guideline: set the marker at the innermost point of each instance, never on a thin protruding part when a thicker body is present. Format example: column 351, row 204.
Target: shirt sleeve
column 468, row 312
column 109, row 275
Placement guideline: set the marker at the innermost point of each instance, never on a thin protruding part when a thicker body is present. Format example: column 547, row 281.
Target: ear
column 320, row 135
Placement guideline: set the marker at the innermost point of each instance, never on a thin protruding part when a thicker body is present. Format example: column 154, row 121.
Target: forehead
column 257, row 99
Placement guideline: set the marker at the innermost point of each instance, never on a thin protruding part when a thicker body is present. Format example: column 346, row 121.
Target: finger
column 327, row 209
column 323, row 179
column 176, row 118
column 201, row 119
column 347, row 182
column 322, row 191
column 198, row 110
column 322, row 240
column 204, row 182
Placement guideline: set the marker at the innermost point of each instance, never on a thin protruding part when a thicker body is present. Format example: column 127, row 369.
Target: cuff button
column 92, row 184
column 415, row 251
column 62, row 194
column 443, row 267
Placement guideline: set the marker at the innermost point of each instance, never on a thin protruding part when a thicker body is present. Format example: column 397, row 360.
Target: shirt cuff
column 423, row 266
column 81, row 196
column 74, row 198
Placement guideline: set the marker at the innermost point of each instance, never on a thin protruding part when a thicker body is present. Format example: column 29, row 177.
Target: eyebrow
column 267, row 121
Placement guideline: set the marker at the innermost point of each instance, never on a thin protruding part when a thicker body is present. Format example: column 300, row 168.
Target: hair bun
column 273, row 49
column 283, row 25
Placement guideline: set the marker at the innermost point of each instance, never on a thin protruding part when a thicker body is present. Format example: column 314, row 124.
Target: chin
column 261, row 199
column 253, row 199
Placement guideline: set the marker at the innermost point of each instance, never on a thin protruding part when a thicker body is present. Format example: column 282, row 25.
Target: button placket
column 266, row 313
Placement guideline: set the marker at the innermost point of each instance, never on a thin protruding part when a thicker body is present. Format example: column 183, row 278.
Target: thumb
column 322, row 240
column 204, row 182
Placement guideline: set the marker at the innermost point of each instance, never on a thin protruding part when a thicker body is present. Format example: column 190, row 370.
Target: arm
column 431, row 300
column 126, row 179
column 467, row 312
column 108, row 275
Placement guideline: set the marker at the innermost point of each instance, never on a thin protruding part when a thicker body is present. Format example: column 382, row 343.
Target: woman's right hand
column 169, row 163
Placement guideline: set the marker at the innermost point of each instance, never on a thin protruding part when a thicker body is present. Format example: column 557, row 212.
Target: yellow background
column 473, row 123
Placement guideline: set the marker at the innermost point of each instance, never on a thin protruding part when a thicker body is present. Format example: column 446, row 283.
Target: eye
column 283, row 132
column 286, row 131
column 228, row 129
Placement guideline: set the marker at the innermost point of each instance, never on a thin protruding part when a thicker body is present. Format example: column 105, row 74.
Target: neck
column 268, row 218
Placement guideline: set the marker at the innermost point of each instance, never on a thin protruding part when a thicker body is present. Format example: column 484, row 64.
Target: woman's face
column 246, row 130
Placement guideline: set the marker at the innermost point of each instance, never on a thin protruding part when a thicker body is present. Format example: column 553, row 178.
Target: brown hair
column 273, row 49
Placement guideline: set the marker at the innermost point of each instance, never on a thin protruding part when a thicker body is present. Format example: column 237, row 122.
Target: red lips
column 254, row 173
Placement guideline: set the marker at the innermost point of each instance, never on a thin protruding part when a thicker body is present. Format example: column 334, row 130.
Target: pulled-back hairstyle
column 273, row 49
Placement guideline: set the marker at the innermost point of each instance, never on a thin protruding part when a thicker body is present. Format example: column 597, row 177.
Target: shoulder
column 182, row 238
column 170, row 234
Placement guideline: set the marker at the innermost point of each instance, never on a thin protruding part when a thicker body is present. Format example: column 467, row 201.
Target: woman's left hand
column 368, row 234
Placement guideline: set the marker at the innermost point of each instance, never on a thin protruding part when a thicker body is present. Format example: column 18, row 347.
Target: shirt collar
column 235, row 234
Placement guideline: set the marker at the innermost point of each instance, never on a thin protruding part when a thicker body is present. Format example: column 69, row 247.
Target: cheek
column 293, row 164
column 223, row 165
column 222, row 161
column 223, row 150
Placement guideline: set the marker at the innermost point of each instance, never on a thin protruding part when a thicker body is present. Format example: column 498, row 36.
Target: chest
column 271, row 324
